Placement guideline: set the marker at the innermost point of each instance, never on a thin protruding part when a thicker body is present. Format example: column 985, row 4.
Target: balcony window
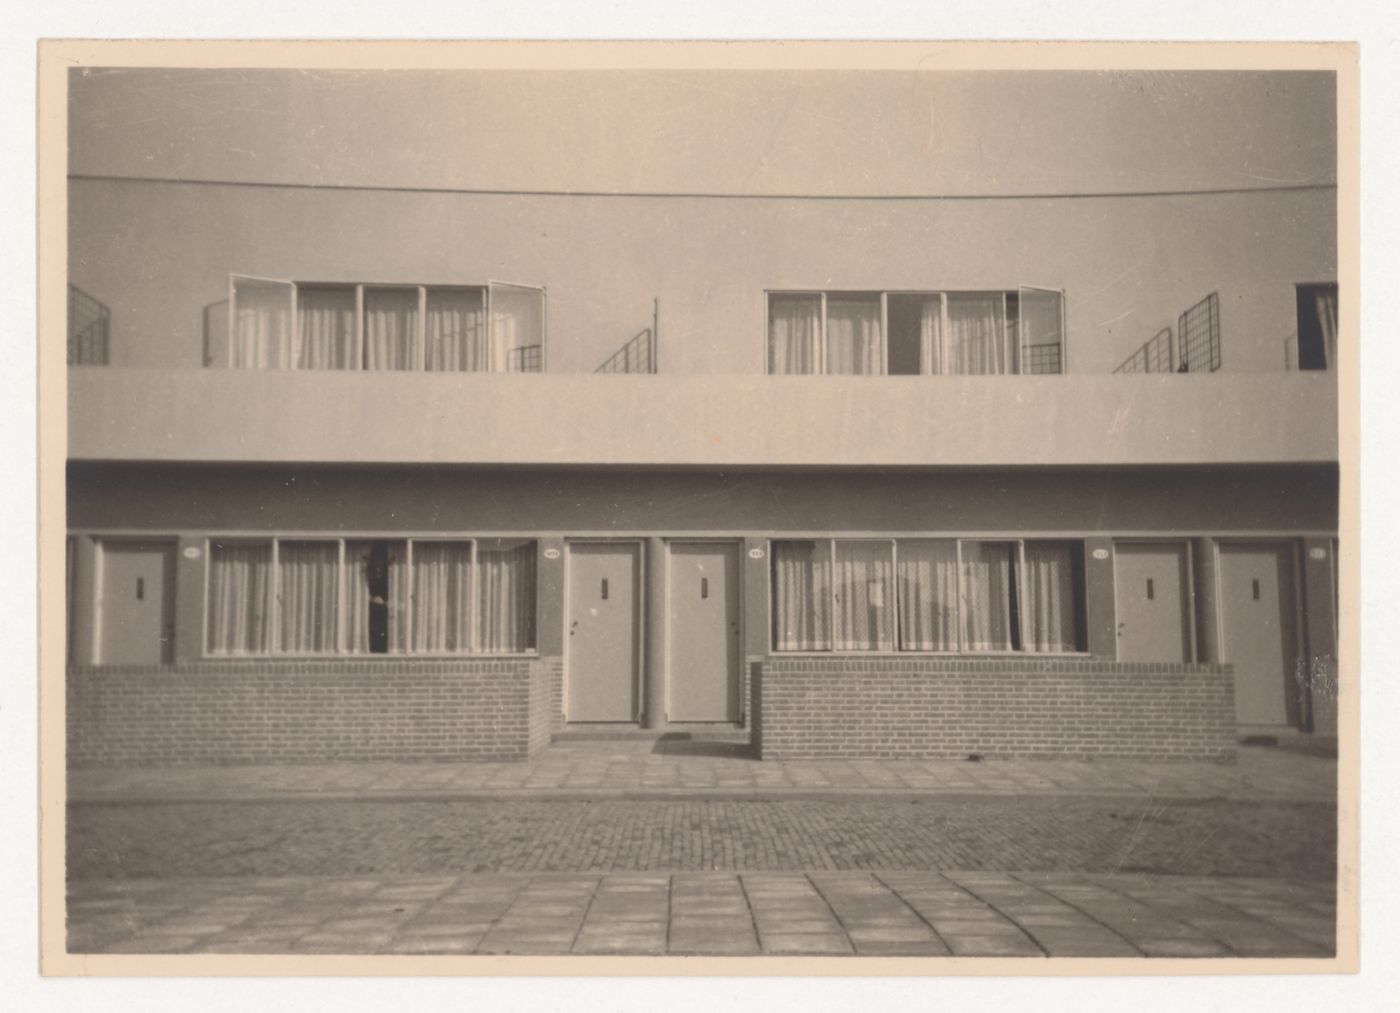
column 916, row 333
column 280, row 324
column 929, row 595
column 1317, row 326
column 368, row 596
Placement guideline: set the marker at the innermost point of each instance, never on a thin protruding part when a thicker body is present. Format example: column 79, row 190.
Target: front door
column 604, row 610
column 704, row 632
column 1151, row 599
column 135, row 604
column 1259, row 630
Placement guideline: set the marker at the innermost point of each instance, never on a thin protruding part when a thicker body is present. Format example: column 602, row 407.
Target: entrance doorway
column 1259, row 630
column 604, row 623
column 704, row 663
column 1153, row 601
column 135, row 604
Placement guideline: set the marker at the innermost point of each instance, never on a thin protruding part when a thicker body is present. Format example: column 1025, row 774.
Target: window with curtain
column 517, row 328
column 925, row 594
column 977, row 341
column 802, row 596
column 391, row 328
column 506, row 599
column 366, row 596
column 853, row 345
column 794, row 328
column 240, row 598
column 326, row 336
column 455, row 331
column 260, row 332
column 308, row 593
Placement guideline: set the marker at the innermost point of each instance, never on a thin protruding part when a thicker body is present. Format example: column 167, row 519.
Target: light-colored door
column 704, row 632
column 1259, row 629
column 604, row 610
column 135, row 607
column 1152, row 600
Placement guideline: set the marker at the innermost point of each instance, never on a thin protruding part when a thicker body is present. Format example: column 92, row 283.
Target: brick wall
column 546, row 702
column 306, row 712
column 844, row 707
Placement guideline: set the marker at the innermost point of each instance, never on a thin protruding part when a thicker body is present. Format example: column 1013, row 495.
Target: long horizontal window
column 948, row 595
column 916, row 333
column 279, row 324
column 308, row 596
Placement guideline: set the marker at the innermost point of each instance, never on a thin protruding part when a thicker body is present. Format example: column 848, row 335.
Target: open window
column 517, row 328
column 1041, row 313
column 1317, row 325
column 261, row 315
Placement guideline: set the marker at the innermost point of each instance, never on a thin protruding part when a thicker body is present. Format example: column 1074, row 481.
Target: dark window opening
column 1317, row 325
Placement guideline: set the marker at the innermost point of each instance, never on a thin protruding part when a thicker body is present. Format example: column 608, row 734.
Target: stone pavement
column 682, row 768
column 929, row 914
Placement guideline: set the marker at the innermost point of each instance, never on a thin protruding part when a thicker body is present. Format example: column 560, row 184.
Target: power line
column 704, row 195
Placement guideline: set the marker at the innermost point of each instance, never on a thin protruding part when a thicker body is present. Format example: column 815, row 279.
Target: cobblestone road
column 888, row 913
column 1295, row 840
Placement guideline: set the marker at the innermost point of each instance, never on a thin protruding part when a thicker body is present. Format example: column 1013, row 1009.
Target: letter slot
column 704, row 587
column 1256, row 588
column 1150, row 594
column 605, row 589
column 141, row 589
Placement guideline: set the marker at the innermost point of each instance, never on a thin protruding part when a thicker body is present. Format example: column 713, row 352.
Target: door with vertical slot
column 1259, row 632
column 135, row 606
column 1152, row 601
column 704, row 632
column 603, row 660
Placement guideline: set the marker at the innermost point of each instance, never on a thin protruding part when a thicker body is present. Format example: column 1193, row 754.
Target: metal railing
column 526, row 359
column 1157, row 355
column 89, row 329
column 1041, row 358
column 1198, row 337
column 638, row 355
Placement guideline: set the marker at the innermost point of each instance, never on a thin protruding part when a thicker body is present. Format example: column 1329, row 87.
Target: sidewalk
column 686, row 769
column 924, row 914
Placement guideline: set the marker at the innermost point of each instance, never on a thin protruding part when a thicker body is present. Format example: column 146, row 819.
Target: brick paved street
column 820, row 913
column 1197, row 837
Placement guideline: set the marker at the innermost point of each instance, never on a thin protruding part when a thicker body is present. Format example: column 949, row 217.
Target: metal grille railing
column 1157, row 355
column 637, row 356
column 1198, row 337
column 1042, row 358
column 89, row 325
column 525, row 359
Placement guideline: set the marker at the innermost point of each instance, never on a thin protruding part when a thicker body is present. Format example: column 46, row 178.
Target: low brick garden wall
column 308, row 712
column 1015, row 708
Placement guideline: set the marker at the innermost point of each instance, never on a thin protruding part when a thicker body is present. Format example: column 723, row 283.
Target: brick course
column 278, row 711
column 1015, row 708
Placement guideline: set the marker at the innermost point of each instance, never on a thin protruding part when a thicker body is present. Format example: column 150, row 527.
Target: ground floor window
column 371, row 596
column 929, row 595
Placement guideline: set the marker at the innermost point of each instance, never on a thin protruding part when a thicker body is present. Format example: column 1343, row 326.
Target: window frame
column 962, row 650
column 286, row 360
column 342, row 651
column 1014, row 342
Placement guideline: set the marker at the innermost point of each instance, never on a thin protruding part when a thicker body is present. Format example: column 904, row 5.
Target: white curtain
column 853, row 344
column 360, row 563
column 262, row 323
column 456, row 331
column 928, row 595
column 794, row 322
column 517, row 328
column 308, row 591
column 931, row 336
column 391, row 326
column 506, row 599
column 325, row 328
column 977, row 339
column 864, row 597
column 802, row 596
column 1326, row 302
column 441, row 589
column 987, row 596
column 240, row 598
column 1049, row 597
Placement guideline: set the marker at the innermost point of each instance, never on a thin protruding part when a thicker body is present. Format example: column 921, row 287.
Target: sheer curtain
column 794, row 321
column 308, row 593
column 506, row 600
column 988, row 594
column 441, row 590
column 376, row 570
column 1327, row 320
column 456, row 331
column 391, row 326
column 517, row 328
column 864, row 596
column 931, row 336
column 802, row 596
column 1049, row 592
column 853, row 344
column 325, row 328
column 240, row 598
column 928, row 595
column 262, row 323
column 977, row 343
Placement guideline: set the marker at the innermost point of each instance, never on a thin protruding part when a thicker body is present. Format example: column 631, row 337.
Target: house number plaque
column 1100, row 553
column 551, row 553
column 755, row 553
column 191, row 552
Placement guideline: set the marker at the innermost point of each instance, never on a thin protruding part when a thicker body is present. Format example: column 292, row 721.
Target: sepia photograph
column 699, row 505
